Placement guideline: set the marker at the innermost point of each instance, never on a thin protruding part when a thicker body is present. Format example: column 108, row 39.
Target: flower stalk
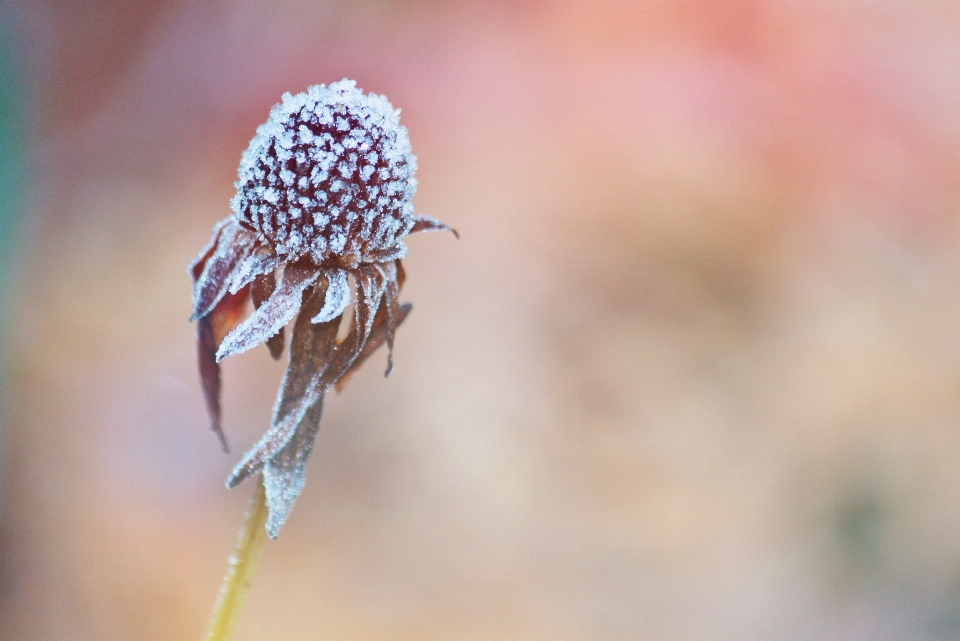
column 239, row 575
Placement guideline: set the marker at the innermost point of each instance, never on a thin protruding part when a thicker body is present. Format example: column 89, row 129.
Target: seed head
column 329, row 176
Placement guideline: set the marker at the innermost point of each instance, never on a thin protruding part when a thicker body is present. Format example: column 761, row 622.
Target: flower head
column 323, row 197
column 329, row 175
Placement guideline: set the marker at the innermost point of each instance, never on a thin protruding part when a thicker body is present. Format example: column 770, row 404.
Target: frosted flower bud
column 305, row 153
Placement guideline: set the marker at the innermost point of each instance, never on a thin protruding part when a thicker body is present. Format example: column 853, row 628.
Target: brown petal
column 196, row 267
column 427, row 223
column 386, row 255
column 311, row 346
column 263, row 260
column 392, row 311
column 372, row 281
column 338, row 296
column 370, row 286
column 210, row 331
column 283, row 474
column 274, row 313
column 210, row 376
column 378, row 336
column 232, row 247
column 260, row 290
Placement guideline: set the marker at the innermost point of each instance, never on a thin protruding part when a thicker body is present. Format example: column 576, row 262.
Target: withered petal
column 370, row 285
column 261, row 261
column 284, row 473
column 311, row 346
column 391, row 308
column 260, row 290
column 337, row 298
column 195, row 268
column 428, row 223
column 228, row 312
column 210, row 331
column 386, row 255
column 274, row 313
column 232, row 247
column 372, row 281
column 210, row 376
column 378, row 336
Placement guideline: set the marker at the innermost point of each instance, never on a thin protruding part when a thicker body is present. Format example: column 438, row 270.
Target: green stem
column 243, row 564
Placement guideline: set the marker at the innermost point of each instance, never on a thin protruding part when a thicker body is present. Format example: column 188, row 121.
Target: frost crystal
column 329, row 141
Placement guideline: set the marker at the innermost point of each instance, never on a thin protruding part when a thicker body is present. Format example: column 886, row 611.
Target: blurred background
column 691, row 373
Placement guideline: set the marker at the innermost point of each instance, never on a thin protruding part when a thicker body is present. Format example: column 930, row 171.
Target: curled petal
column 274, row 313
column 386, row 320
column 337, row 299
column 210, row 376
column 233, row 245
column 260, row 291
column 371, row 281
column 390, row 308
column 370, row 286
column 378, row 336
column 196, row 267
column 310, row 349
column 283, row 474
column 257, row 263
column 386, row 255
column 210, row 331
column 428, row 223
column 279, row 434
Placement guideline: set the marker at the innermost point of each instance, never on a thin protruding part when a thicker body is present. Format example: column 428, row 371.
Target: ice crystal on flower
column 305, row 151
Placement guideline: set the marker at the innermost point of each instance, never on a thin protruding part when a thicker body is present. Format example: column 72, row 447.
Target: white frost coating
column 330, row 144
column 337, row 298
column 282, row 487
column 232, row 246
column 283, row 473
column 266, row 321
column 252, row 266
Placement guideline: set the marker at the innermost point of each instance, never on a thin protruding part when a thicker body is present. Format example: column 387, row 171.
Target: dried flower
column 324, row 196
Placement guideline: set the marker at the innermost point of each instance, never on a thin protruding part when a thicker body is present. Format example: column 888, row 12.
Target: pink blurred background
column 692, row 371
